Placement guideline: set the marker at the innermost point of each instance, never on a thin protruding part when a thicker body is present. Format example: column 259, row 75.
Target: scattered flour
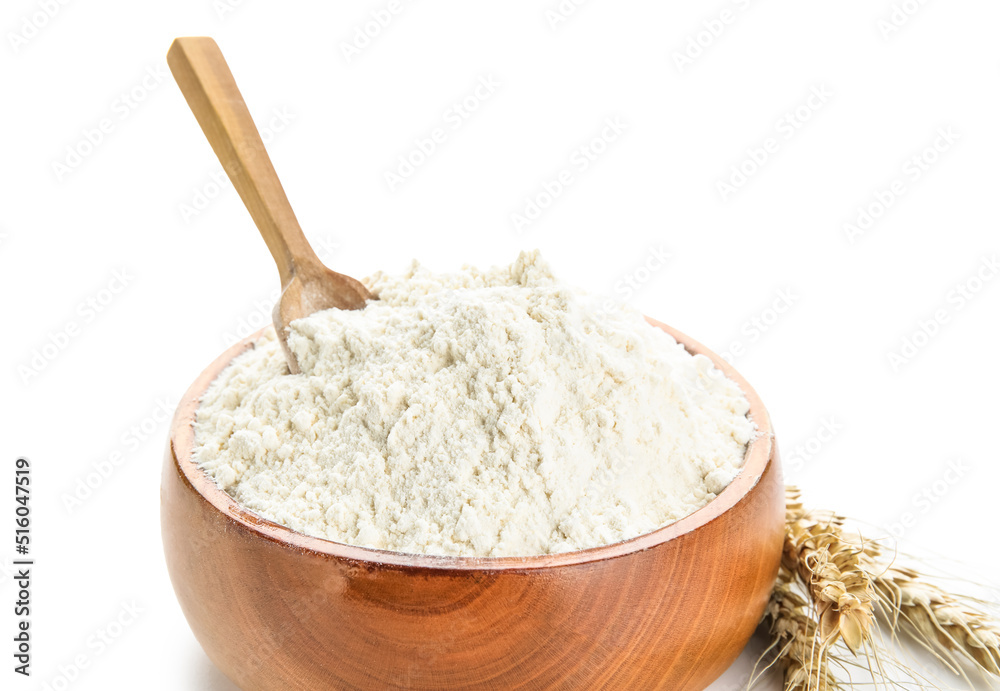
column 485, row 413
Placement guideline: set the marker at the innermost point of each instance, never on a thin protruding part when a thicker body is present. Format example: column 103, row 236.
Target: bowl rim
column 181, row 444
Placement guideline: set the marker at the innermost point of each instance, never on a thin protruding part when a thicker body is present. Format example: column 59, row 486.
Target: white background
column 192, row 279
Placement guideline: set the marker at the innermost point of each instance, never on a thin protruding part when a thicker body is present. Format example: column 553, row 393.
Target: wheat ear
column 830, row 566
column 944, row 623
column 803, row 657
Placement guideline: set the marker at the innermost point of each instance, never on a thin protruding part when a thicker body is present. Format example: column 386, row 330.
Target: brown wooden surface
column 277, row 610
column 307, row 285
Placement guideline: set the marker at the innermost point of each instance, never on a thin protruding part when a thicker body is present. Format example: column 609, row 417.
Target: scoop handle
column 208, row 85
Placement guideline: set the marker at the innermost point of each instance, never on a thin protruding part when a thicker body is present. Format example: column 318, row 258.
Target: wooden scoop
column 211, row 92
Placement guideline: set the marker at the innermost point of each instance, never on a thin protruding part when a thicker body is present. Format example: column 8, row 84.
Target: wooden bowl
column 278, row 610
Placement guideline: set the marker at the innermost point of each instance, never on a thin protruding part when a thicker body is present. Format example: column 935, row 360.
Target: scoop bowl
column 279, row 610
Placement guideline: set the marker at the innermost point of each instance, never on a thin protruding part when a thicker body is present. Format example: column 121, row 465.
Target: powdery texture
column 494, row 413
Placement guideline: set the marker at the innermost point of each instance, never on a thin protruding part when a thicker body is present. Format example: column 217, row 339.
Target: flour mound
column 484, row 413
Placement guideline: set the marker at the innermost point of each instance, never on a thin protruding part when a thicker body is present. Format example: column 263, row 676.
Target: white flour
column 493, row 413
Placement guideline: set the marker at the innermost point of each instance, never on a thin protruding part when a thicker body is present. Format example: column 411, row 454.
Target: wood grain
column 277, row 610
column 210, row 89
